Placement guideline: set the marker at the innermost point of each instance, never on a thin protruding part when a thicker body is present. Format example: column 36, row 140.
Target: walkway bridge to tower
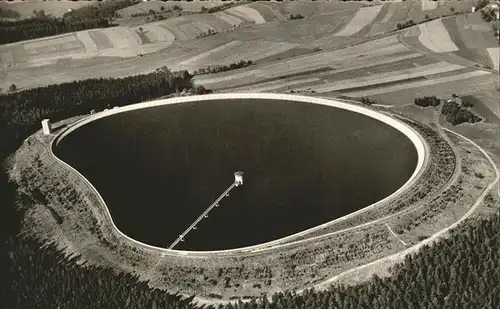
column 238, row 181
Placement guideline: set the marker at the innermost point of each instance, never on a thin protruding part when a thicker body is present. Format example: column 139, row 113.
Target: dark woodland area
column 43, row 26
column 99, row 15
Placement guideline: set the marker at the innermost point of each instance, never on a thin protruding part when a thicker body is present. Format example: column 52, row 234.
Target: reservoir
column 159, row 168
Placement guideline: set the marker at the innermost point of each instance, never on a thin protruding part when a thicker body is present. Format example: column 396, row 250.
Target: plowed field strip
column 90, row 45
column 230, row 19
column 179, row 35
column 210, row 52
column 266, row 12
column 393, row 8
column 101, row 40
column 418, row 84
column 284, row 84
column 275, row 9
column 190, row 30
column 217, row 23
column 495, row 57
column 256, row 53
column 475, row 53
column 19, row 53
column 435, row 37
column 389, row 77
column 363, row 18
column 40, row 43
column 324, row 71
column 157, row 33
column 249, row 13
column 263, row 82
column 6, row 56
column 384, row 84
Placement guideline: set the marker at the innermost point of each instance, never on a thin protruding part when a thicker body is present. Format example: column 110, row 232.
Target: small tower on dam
column 238, row 178
column 46, row 127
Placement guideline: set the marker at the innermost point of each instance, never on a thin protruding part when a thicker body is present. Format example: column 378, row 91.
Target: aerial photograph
column 232, row 154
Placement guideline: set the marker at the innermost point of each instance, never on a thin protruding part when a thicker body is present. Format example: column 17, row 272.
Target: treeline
column 427, row 101
column 208, row 33
column 222, row 68
column 406, row 24
column 97, row 15
column 458, row 113
column 295, row 16
column 43, row 26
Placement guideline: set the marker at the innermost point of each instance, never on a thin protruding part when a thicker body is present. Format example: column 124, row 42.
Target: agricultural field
column 325, row 52
column 466, row 36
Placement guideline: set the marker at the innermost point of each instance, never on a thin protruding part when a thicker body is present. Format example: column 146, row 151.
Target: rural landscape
column 368, row 134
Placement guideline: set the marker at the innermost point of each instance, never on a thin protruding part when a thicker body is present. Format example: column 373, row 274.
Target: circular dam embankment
column 158, row 165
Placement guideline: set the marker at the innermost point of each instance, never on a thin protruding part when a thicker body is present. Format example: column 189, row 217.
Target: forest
column 42, row 26
column 223, row 67
column 99, row 15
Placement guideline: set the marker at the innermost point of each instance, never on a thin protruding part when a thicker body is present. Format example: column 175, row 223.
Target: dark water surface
column 159, row 168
